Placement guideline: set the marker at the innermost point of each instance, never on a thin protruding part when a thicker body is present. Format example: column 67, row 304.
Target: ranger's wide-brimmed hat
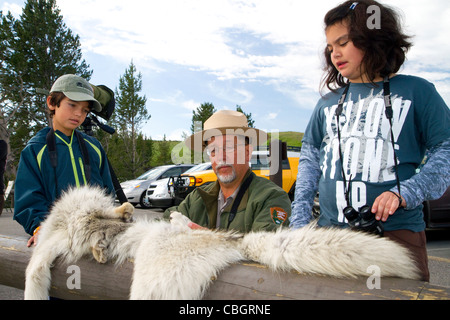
column 225, row 122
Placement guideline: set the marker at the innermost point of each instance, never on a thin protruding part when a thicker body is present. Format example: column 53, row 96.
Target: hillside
column 292, row 138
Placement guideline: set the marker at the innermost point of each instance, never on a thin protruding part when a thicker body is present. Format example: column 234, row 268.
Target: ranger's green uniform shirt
column 264, row 206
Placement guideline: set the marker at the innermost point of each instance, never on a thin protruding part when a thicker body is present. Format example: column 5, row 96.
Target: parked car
column 136, row 190
column 437, row 212
column 159, row 194
column 187, row 182
column 260, row 166
column 259, row 163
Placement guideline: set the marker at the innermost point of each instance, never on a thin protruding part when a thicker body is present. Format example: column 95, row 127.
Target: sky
column 263, row 55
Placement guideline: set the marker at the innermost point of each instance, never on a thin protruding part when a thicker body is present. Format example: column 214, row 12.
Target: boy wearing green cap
column 60, row 157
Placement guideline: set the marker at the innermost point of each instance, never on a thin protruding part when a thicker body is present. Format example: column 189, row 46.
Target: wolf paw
column 125, row 211
column 99, row 252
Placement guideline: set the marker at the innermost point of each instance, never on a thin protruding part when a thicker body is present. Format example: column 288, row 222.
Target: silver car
column 158, row 191
column 136, row 190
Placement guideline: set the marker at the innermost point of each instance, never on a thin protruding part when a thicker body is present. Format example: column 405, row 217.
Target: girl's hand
column 386, row 204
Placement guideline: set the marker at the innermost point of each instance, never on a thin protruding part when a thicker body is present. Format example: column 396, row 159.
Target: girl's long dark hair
column 384, row 47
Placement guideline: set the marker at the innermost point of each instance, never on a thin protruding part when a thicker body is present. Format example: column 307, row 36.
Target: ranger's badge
column 278, row 215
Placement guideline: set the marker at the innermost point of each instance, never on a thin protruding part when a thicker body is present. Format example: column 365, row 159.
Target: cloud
column 228, row 39
column 15, row 9
column 190, row 105
column 176, row 98
column 264, row 55
column 252, row 40
column 229, row 91
column 249, row 41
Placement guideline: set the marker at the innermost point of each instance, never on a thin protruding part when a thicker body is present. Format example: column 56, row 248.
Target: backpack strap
column 85, row 155
column 51, row 145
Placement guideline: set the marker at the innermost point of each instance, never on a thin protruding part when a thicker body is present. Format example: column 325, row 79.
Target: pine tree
column 35, row 50
column 163, row 157
column 130, row 114
column 251, row 122
column 203, row 112
column 42, row 49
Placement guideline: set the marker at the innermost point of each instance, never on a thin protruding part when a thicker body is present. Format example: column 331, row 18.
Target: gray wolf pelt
column 171, row 261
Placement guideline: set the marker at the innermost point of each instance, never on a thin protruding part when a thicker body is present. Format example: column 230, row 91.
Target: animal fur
column 171, row 261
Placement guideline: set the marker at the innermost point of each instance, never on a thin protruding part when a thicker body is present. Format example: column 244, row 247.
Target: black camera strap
column 51, row 145
column 338, row 113
column 389, row 115
column 237, row 201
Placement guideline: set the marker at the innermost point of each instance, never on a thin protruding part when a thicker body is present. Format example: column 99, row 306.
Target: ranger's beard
column 225, row 178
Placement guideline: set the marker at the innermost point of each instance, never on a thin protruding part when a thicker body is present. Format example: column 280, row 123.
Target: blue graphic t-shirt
column 421, row 120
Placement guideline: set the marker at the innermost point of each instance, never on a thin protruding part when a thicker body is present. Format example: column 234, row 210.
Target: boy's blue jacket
column 35, row 188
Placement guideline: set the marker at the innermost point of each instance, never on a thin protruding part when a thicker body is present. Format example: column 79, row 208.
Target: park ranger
column 238, row 200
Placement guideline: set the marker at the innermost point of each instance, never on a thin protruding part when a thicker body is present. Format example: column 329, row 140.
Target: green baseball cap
column 77, row 89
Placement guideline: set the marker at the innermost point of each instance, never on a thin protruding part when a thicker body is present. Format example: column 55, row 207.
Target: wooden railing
column 241, row 281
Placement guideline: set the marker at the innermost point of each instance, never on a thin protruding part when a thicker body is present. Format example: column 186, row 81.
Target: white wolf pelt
column 171, row 261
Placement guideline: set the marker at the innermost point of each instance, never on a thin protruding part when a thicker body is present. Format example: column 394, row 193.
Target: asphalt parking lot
column 438, row 245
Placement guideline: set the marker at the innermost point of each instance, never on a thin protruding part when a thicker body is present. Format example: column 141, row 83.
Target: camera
column 363, row 220
column 105, row 96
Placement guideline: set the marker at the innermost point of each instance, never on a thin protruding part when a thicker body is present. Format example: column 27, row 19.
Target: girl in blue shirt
column 352, row 153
